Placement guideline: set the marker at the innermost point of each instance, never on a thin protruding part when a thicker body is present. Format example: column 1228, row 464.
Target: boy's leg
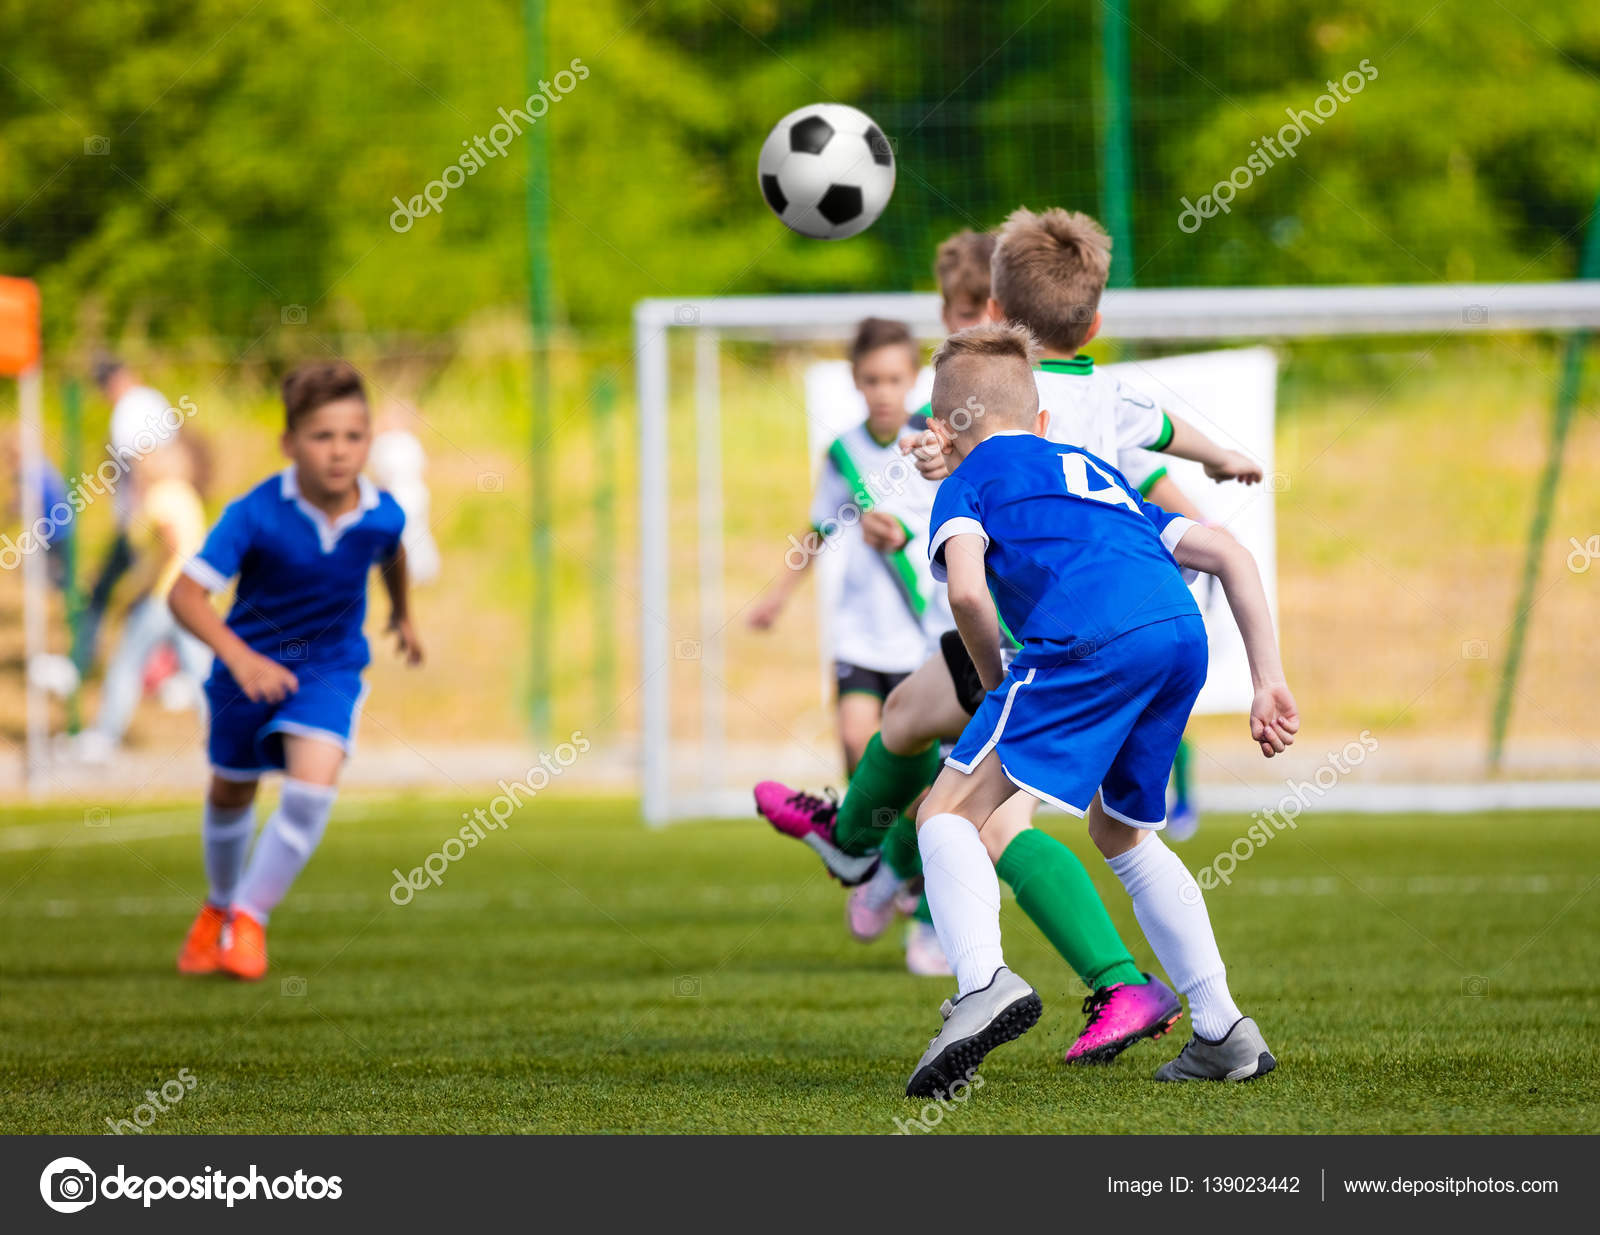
column 993, row 1005
column 1054, row 890
column 859, row 713
column 295, row 828
column 225, row 830
column 902, row 758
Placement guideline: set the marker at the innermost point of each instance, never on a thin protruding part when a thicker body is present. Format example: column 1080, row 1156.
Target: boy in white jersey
column 1048, row 272
column 870, row 505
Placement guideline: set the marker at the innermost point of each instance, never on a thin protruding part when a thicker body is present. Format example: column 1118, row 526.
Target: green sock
column 923, row 913
column 883, row 785
column 1180, row 774
column 1054, row 890
column 900, row 848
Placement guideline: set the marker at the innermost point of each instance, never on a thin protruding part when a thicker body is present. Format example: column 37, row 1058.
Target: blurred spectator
column 397, row 464
column 135, row 409
column 169, row 529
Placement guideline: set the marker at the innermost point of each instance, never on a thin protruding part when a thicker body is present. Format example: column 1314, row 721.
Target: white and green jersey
column 1095, row 412
column 888, row 607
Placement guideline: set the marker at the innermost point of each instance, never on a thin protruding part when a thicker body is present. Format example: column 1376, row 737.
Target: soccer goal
column 1209, row 354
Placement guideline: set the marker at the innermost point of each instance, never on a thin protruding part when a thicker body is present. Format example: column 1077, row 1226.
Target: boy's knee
column 1109, row 836
column 231, row 794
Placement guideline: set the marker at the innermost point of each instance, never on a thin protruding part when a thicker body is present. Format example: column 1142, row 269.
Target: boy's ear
column 1041, row 423
column 992, row 312
column 1094, row 328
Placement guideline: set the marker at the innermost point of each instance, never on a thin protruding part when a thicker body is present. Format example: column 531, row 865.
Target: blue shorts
column 1110, row 721
column 247, row 737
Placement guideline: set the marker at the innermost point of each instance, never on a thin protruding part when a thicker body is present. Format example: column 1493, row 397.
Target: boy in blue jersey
column 1085, row 575
column 286, row 689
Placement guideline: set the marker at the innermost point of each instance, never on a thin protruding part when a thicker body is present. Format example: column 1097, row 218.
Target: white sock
column 284, row 847
column 964, row 895
column 881, row 887
column 225, row 833
column 1172, row 914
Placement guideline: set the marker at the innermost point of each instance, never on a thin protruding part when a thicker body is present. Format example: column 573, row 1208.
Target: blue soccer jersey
column 1074, row 557
column 302, row 592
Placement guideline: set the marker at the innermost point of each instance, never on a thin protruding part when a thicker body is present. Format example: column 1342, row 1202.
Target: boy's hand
column 1235, row 465
column 263, row 679
column 929, row 452
column 883, row 532
column 1274, row 719
column 765, row 612
column 406, row 641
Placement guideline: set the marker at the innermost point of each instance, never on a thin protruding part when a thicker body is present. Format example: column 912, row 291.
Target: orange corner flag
column 19, row 326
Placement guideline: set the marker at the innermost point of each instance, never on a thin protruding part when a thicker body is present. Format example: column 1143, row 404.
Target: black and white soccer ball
column 827, row 171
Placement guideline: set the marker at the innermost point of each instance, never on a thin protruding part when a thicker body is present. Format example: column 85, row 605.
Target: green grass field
column 578, row 973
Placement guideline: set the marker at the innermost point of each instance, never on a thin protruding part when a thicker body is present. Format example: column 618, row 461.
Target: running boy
column 285, row 691
column 871, row 503
column 1113, row 655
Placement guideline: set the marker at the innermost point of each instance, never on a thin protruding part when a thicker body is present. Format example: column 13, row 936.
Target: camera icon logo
column 687, row 649
column 293, row 315
column 687, row 987
column 292, row 987
column 67, row 1185
column 1277, row 482
column 97, row 817
column 1475, row 649
column 491, row 482
column 685, row 315
column 97, row 145
column 293, row 649
column 1475, row 314
column 1474, row 987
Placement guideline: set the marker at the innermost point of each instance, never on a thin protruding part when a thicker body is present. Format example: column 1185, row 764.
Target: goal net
column 738, row 396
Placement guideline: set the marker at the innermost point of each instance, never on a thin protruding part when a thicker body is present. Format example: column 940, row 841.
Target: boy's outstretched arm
column 1187, row 442
column 396, row 584
column 802, row 552
column 262, row 679
column 1274, row 718
column 972, row 605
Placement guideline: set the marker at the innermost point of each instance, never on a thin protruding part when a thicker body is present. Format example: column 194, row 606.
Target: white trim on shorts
column 1043, row 796
column 240, row 775
column 1130, row 820
column 999, row 728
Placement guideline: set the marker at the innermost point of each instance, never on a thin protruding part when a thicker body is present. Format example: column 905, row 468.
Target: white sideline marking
column 1413, row 885
column 141, row 825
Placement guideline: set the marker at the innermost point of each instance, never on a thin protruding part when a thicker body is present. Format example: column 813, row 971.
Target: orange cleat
column 245, row 954
column 202, row 949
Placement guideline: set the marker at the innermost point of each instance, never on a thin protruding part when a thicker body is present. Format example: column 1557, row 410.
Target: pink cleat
column 1120, row 1015
column 810, row 821
column 924, row 954
column 871, row 906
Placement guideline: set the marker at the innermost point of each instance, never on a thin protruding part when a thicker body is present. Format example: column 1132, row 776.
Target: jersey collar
column 1079, row 366
column 328, row 531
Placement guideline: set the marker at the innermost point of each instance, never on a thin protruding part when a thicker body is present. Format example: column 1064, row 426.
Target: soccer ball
column 826, row 171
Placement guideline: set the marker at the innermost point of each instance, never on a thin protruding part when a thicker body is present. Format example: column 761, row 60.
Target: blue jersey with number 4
column 1074, row 557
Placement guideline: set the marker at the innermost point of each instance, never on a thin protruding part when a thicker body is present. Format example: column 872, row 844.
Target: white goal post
column 1186, row 315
